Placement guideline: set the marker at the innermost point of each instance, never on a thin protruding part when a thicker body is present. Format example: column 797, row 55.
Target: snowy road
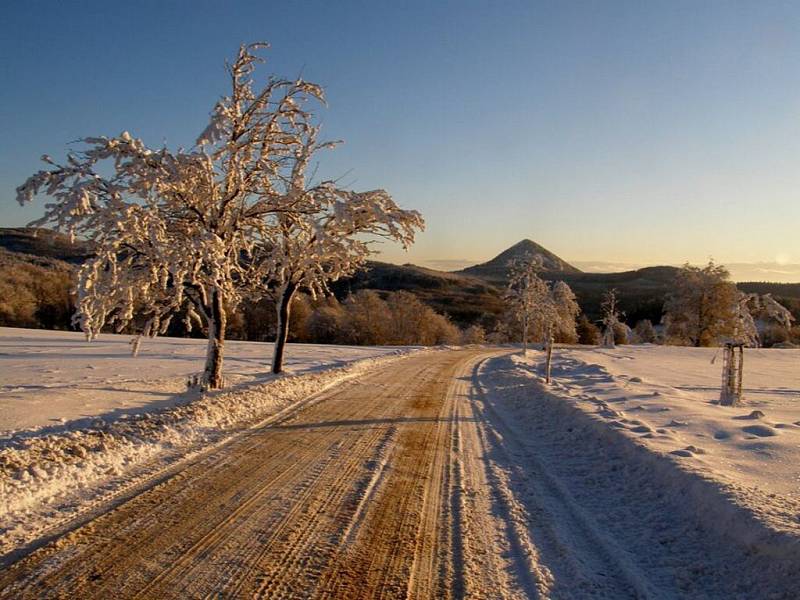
column 444, row 475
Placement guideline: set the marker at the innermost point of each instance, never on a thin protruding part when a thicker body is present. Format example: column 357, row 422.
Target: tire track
column 452, row 573
column 332, row 474
column 566, row 541
column 499, row 559
column 400, row 547
column 281, row 566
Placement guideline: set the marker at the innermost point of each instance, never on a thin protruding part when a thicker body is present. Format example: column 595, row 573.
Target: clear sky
column 620, row 132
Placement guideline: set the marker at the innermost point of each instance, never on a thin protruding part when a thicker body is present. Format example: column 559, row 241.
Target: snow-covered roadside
column 49, row 479
column 587, row 405
column 668, row 396
column 56, row 380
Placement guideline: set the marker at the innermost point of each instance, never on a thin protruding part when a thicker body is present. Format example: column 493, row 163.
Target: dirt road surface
column 399, row 485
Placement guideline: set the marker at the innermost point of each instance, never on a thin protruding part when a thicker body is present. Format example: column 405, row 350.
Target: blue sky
column 624, row 132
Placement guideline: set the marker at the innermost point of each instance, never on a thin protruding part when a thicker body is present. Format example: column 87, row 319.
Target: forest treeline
column 35, row 292
column 38, row 292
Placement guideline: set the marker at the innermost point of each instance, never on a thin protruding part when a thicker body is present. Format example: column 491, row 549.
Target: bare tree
column 415, row 322
column 474, row 334
column 370, row 319
column 328, row 323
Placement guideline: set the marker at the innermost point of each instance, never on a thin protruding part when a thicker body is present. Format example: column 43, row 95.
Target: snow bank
column 54, row 380
column 667, row 396
column 725, row 472
column 49, row 477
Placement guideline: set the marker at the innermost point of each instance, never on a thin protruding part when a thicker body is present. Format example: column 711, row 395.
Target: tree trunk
column 549, row 357
column 284, row 309
column 525, row 337
column 609, row 337
column 212, row 376
column 700, row 324
column 135, row 343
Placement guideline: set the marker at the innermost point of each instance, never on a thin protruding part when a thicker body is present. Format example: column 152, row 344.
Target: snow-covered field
column 667, row 397
column 740, row 462
column 81, row 422
column 49, row 378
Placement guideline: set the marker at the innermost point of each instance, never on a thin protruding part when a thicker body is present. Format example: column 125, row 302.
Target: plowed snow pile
column 739, row 465
column 81, row 422
column 48, row 378
column 629, row 520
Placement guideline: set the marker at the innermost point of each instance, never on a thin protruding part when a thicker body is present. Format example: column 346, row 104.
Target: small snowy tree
column 567, row 311
column 645, row 332
column 760, row 315
column 703, row 307
column 528, row 295
column 611, row 317
column 536, row 309
column 174, row 230
column 474, row 334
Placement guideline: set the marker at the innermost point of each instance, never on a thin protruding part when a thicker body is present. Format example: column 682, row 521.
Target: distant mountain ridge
column 496, row 269
column 471, row 295
column 45, row 243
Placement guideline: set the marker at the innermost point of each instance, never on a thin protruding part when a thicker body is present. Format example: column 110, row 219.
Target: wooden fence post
column 732, row 374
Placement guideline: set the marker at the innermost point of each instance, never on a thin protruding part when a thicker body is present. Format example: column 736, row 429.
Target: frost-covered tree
column 531, row 300
column 324, row 237
column 442, row 330
column 760, row 317
column 645, row 332
column 611, row 317
column 567, row 311
column 526, row 294
column 771, row 309
column 413, row 322
column 327, row 324
column 369, row 318
column 474, row 334
column 174, row 230
column 501, row 333
column 703, row 308
column 588, row 332
column 744, row 329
